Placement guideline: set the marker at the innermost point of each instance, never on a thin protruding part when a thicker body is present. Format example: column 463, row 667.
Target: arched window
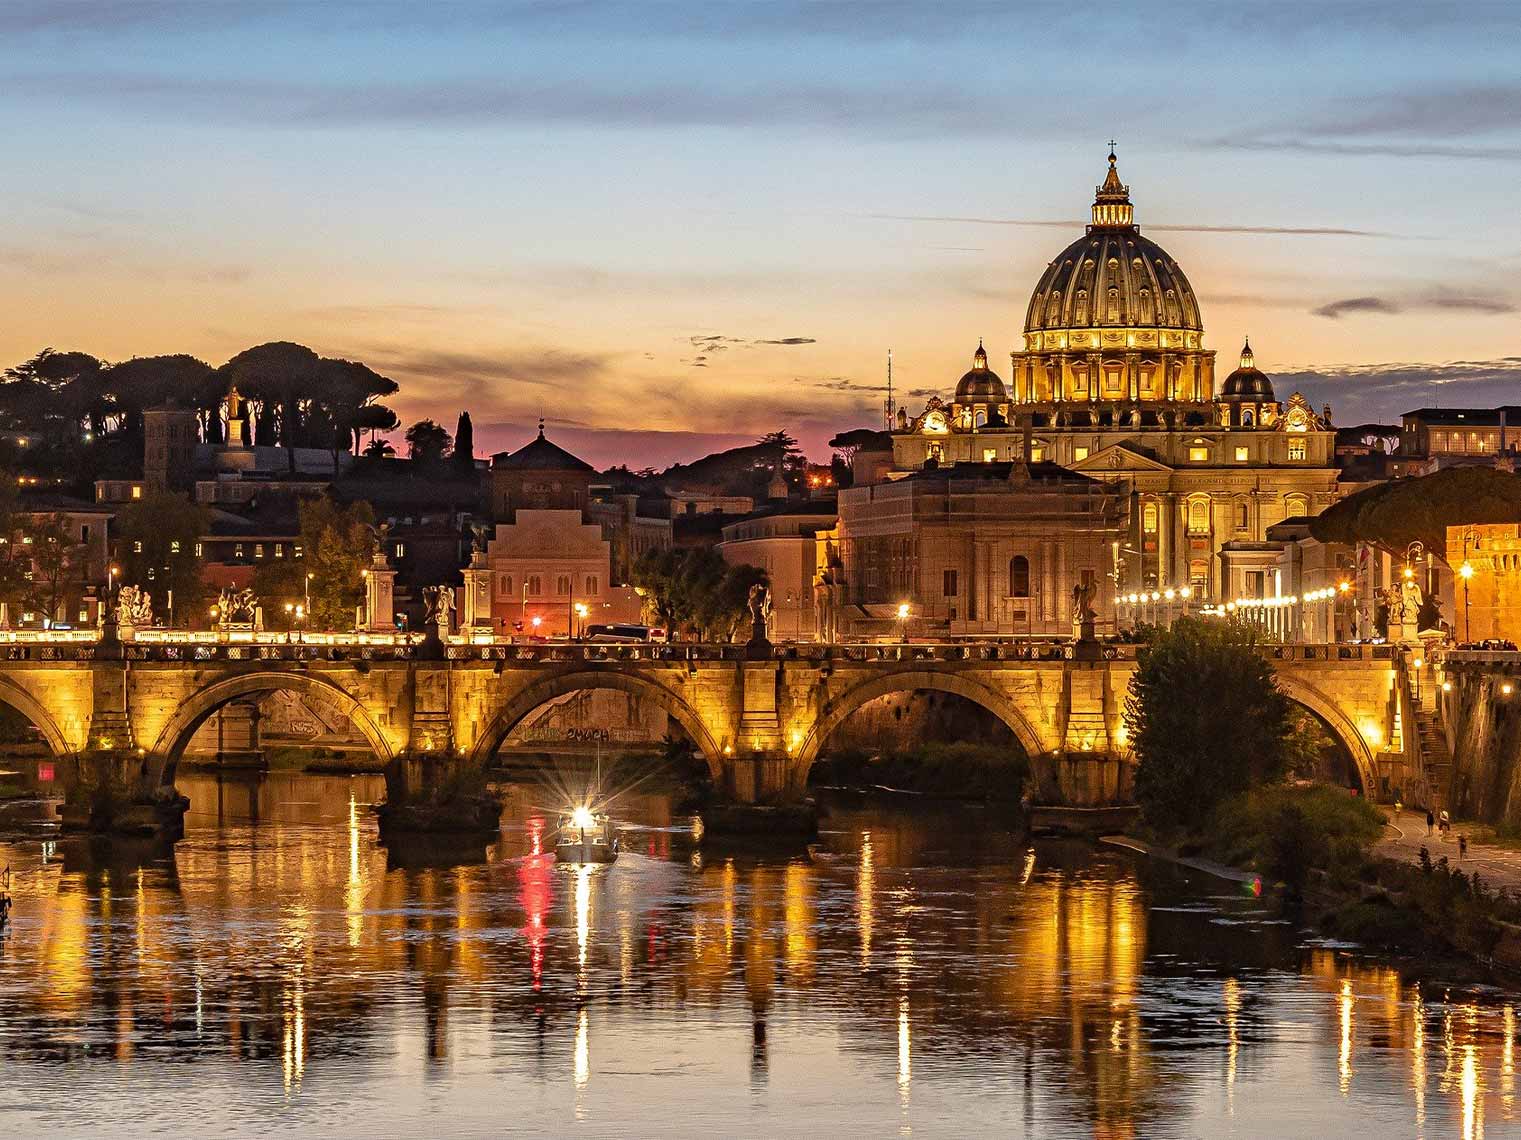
column 1198, row 516
column 979, row 417
column 1149, row 518
column 1082, row 306
column 1112, row 313
column 1246, row 417
column 591, row 585
column 1054, row 309
column 562, row 585
column 1146, row 311
column 506, row 584
column 1198, row 574
column 1172, row 307
column 1296, row 506
column 1019, row 576
column 1243, row 516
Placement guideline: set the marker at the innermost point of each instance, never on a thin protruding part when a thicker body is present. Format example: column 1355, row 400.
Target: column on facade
column 1133, row 375
column 1169, row 390
column 1095, row 376
column 1165, row 576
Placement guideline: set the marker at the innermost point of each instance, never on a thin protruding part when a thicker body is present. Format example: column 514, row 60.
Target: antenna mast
column 888, row 407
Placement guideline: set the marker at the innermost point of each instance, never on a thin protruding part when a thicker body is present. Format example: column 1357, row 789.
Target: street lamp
column 581, row 612
column 904, row 611
column 1465, row 572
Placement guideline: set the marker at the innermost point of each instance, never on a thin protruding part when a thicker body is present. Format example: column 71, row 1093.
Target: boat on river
column 585, row 836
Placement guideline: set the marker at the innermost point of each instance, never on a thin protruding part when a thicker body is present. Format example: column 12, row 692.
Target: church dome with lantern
column 981, row 385
column 1113, row 320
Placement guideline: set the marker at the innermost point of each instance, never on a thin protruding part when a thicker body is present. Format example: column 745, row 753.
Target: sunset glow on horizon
column 671, row 229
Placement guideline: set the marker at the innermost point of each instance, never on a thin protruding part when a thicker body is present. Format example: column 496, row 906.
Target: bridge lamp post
column 581, row 612
column 904, row 612
column 1465, row 572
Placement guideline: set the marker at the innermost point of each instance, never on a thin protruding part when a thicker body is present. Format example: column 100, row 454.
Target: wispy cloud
column 1437, row 299
column 1074, row 223
column 1381, row 392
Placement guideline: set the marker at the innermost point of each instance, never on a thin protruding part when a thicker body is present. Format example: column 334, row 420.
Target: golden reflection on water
column 302, row 947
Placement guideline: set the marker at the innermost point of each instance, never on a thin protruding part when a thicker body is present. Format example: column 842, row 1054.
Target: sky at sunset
column 668, row 228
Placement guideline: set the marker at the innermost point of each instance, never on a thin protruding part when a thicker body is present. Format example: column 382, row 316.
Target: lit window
column 198, row 550
column 989, row 454
column 295, row 550
column 237, row 551
column 137, row 547
column 1296, row 506
column 258, row 550
column 1079, row 454
column 1296, row 449
column 1241, row 455
column 1149, row 518
column 1038, row 453
column 279, row 550
column 137, row 492
column 401, row 550
column 1198, row 516
column 1198, row 455
column 174, row 546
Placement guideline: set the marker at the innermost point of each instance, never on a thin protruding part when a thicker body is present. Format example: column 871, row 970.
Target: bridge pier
column 237, row 731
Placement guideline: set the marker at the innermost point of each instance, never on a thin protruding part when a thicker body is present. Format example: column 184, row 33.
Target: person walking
column 1430, row 821
column 1446, row 823
column 1462, row 846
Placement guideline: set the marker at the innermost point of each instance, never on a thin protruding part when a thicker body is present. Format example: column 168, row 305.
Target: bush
column 1289, row 832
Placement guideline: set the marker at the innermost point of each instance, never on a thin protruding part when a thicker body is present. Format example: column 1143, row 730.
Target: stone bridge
column 759, row 724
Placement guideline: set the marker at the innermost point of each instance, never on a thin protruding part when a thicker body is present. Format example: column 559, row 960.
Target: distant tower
column 887, row 404
column 169, row 438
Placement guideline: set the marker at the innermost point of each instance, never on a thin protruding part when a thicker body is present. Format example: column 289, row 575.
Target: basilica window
column 1243, row 517
column 979, row 417
column 1079, row 454
column 1296, row 506
column 1038, row 453
column 1146, row 312
column 1019, row 576
column 1171, row 302
column 1112, row 312
column 948, row 583
column 1149, row 518
column 1198, row 516
column 1198, row 574
column 1246, row 417
column 1082, row 307
column 1198, row 455
column 1242, row 455
column 1296, row 449
column 989, row 454
column 1054, row 309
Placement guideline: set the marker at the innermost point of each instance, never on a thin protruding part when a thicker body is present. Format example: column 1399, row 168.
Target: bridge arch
column 835, row 711
column 1338, row 723
column 175, row 735
column 30, row 707
column 579, row 680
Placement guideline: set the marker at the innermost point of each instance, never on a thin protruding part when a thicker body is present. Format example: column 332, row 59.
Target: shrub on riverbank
column 956, row 770
column 1289, row 832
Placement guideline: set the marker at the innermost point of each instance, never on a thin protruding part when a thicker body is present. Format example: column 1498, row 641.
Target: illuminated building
column 1111, row 379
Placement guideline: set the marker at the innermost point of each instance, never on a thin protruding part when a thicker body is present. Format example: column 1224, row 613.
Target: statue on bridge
column 237, row 607
column 134, row 608
column 1083, row 618
column 760, row 616
column 439, row 601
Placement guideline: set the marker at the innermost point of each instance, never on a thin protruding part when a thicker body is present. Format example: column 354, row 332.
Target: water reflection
column 912, row 971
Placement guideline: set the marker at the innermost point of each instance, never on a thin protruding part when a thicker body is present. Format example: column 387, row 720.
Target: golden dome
column 1113, row 279
column 981, row 385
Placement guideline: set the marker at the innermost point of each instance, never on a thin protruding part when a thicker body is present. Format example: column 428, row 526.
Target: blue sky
column 667, row 227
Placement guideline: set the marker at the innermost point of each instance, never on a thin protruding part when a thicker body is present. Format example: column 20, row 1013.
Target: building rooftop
column 540, row 455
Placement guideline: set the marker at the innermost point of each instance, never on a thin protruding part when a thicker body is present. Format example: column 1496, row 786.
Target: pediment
column 1118, row 457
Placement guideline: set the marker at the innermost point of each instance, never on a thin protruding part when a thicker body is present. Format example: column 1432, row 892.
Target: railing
column 592, row 652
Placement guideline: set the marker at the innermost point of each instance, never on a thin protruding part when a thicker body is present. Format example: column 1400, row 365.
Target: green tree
column 1394, row 514
column 53, row 552
column 427, row 443
column 696, row 592
column 1207, row 721
column 156, row 539
column 464, row 446
column 276, row 378
column 337, row 544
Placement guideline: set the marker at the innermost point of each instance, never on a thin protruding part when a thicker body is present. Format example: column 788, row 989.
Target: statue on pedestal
column 134, row 609
column 439, row 601
column 760, row 614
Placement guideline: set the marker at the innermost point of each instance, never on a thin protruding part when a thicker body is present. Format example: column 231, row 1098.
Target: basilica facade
column 1110, row 379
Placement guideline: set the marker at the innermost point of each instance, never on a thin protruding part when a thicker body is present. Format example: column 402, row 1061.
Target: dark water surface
column 279, row 971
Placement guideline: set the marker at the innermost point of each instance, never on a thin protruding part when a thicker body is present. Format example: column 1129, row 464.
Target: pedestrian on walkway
column 1446, row 823
column 1462, row 846
column 1430, row 821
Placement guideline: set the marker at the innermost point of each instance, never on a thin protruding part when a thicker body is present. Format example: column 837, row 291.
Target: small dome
column 981, row 385
column 1247, row 383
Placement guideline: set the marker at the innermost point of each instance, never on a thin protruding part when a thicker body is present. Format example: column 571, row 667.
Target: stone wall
column 1483, row 725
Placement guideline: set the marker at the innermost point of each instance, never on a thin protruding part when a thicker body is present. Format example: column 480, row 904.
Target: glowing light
column 1372, row 733
column 1343, row 587
column 903, row 611
column 1446, row 686
column 582, row 818
column 1344, row 1054
column 1186, row 592
column 1465, row 571
column 1506, row 689
column 1420, row 662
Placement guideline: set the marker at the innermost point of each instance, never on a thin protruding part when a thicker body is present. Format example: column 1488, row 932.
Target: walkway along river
column 915, row 970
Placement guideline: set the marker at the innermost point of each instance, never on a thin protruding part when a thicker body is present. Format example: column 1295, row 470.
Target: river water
column 929, row 972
